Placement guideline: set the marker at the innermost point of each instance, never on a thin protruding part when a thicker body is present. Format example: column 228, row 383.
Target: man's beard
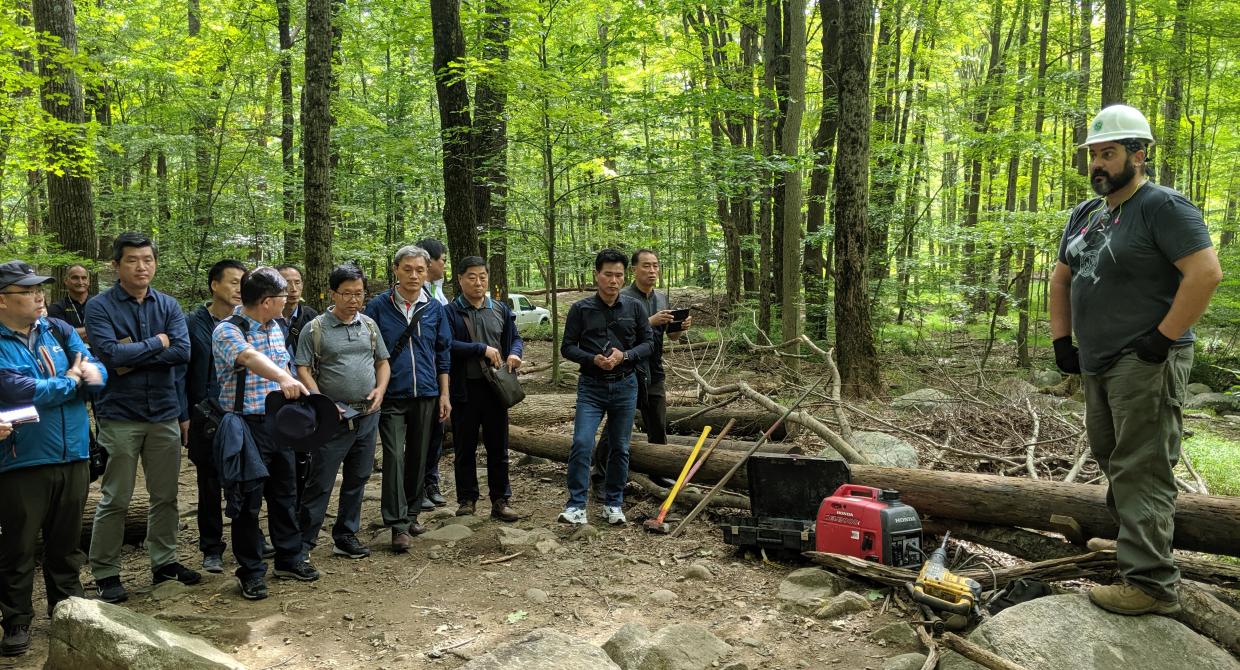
column 1108, row 184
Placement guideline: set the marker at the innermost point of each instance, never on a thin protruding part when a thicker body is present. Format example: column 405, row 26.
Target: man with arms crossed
column 1136, row 270
column 140, row 334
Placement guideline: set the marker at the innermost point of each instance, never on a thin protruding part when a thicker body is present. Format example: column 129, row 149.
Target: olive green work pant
column 1134, row 422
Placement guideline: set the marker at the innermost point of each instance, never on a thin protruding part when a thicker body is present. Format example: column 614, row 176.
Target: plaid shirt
column 228, row 342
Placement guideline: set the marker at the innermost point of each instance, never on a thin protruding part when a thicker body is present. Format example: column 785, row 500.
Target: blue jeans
column 596, row 398
column 355, row 450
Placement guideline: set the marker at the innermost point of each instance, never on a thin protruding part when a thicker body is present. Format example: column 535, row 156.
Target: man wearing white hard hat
column 1136, row 270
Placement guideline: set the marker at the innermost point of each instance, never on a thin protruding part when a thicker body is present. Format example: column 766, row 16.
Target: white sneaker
column 574, row 515
column 615, row 515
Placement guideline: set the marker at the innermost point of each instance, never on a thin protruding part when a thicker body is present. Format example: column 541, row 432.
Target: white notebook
column 16, row 415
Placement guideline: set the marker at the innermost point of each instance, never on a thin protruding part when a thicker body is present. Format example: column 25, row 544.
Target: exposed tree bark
column 883, row 176
column 1170, row 140
column 70, row 205
column 772, row 67
column 288, row 190
column 454, row 128
column 790, row 295
column 817, row 312
column 1113, row 44
column 975, row 269
column 491, row 136
column 316, row 124
column 1080, row 157
column 1035, row 175
column 858, row 360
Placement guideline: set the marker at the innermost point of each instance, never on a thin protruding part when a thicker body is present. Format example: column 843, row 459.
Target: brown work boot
column 467, row 508
column 401, row 541
column 500, row 510
column 1100, row 544
column 416, row 528
column 1130, row 600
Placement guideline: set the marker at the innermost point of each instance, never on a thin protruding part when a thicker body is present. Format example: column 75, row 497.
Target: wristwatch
column 626, row 357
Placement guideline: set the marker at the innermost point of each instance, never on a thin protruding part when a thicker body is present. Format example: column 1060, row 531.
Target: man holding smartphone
column 652, row 399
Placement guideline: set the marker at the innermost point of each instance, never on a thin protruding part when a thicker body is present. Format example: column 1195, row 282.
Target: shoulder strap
column 400, row 341
column 315, row 328
column 374, row 332
column 239, row 399
column 61, row 339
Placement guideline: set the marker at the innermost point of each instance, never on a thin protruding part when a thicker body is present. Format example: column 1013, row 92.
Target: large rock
column 448, row 533
column 544, row 649
column 93, row 634
column 913, row 661
column 1219, row 402
column 516, row 539
column 1067, row 632
column 881, row 449
column 1197, row 388
column 925, row 401
column 808, row 589
column 682, row 646
column 1045, row 378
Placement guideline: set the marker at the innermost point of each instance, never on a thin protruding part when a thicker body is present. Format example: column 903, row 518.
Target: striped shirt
column 228, row 342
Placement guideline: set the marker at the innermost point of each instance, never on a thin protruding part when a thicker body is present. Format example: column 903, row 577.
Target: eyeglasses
column 351, row 295
column 32, row 291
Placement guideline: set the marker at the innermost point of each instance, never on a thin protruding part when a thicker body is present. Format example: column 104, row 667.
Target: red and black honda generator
column 869, row 523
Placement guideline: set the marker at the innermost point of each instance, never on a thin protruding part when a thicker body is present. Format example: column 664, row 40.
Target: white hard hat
column 1118, row 122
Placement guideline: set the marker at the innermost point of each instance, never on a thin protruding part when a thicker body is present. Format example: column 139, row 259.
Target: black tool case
column 785, row 491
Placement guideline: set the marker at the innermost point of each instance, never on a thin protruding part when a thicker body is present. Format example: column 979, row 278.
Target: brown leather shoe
column 500, row 510
column 401, row 541
column 467, row 508
column 416, row 528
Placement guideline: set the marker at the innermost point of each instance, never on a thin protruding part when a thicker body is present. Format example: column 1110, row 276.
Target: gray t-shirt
column 346, row 356
column 1123, row 268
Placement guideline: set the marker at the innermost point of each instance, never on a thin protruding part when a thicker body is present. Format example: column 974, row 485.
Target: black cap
column 304, row 424
column 21, row 274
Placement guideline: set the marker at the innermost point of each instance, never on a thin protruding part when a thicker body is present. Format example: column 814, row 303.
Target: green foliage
column 1217, row 460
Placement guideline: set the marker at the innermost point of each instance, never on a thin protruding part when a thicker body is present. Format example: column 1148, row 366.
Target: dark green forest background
column 858, row 171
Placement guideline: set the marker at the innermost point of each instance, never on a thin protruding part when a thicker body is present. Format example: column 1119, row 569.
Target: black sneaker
column 253, row 588
column 266, row 549
column 111, row 590
column 16, row 640
column 433, row 495
column 213, row 563
column 302, row 572
column 350, row 546
column 426, row 504
column 176, row 571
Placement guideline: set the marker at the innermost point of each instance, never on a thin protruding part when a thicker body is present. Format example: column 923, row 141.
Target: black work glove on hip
column 1067, row 356
column 1153, row 346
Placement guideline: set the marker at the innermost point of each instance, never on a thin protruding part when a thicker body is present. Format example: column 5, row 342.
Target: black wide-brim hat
column 304, row 424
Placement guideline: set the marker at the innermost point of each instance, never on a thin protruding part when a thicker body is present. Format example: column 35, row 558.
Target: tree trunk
column 790, row 296
column 454, row 128
column 316, row 125
column 288, row 191
column 1035, row 174
column 749, row 422
column 70, row 206
column 817, row 314
column 1081, row 117
column 858, row 360
column 1113, row 53
column 135, row 517
column 1170, row 142
column 491, row 136
column 1208, row 524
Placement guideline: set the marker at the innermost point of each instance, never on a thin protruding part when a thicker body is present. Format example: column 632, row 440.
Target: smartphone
column 678, row 320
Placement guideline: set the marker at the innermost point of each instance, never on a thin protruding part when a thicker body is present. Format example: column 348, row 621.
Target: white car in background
column 527, row 313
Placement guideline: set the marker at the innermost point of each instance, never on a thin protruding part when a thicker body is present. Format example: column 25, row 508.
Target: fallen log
column 977, row 654
column 135, row 516
column 732, row 445
column 544, row 409
column 1208, row 524
column 1209, row 616
column 749, row 422
column 689, row 496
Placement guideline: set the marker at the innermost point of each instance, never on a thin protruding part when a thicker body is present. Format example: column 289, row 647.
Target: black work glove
column 1067, row 356
column 1153, row 346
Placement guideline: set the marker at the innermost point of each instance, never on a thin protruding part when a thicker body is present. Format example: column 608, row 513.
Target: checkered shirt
column 228, row 342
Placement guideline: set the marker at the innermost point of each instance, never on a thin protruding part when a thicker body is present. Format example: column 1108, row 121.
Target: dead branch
column 977, row 654
column 840, row 417
column 1188, row 463
column 501, row 559
column 820, row 429
column 1033, row 440
column 689, row 495
column 1082, row 454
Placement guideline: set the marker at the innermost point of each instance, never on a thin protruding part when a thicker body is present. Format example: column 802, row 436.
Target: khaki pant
column 158, row 447
column 1134, row 422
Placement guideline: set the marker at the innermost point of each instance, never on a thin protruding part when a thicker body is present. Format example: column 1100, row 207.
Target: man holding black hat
column 254, row 353
column 342, row 355
column 43, row 463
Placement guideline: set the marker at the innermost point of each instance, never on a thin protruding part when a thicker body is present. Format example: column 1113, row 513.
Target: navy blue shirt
column 142, row 373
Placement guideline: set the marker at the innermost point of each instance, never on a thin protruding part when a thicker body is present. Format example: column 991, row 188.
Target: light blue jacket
column 62, row 434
